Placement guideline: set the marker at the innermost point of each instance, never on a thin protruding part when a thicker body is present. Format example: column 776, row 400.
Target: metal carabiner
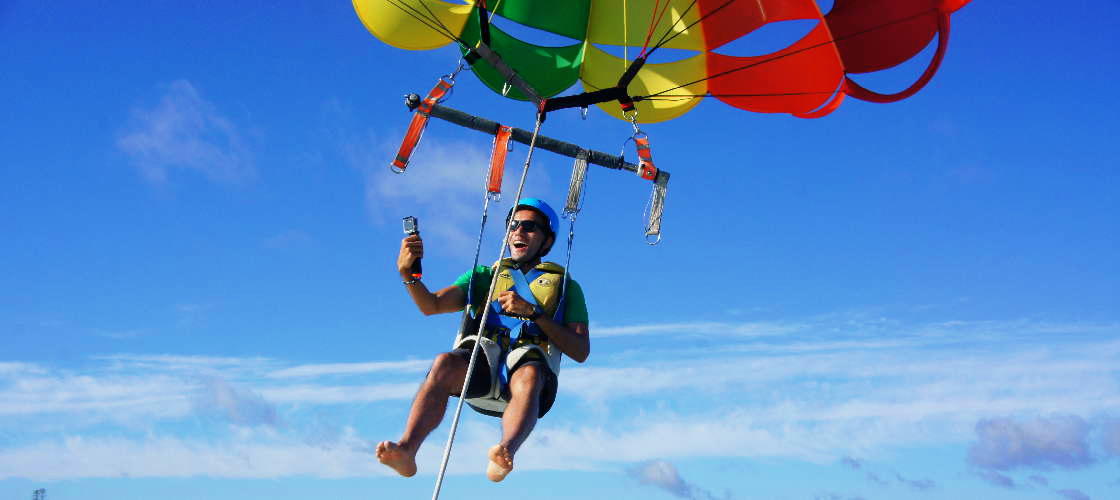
column 633, row 117
column 451, row 77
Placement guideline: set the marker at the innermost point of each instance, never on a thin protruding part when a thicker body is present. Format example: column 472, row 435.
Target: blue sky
column 914, row 300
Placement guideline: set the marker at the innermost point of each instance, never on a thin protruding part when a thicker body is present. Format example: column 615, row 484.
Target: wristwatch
column 537, row 313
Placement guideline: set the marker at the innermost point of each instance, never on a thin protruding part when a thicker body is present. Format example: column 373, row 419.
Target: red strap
column 418, row 123
column 646, row 170
column 498, row 159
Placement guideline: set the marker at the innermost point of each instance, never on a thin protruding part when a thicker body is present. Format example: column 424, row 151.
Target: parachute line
column 782, row 56
column 681, row 97
column 431, row 20
column 665, row 38
column 657, row 16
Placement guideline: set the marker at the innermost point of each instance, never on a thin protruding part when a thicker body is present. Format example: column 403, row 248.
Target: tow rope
column 482, row 320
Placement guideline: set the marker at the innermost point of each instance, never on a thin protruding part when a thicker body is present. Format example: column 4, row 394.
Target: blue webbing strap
column 514, row 324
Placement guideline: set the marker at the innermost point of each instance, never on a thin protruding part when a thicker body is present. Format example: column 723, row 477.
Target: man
column 531, row 386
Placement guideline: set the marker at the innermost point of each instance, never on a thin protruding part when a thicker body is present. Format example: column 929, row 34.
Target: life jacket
column 507, row 340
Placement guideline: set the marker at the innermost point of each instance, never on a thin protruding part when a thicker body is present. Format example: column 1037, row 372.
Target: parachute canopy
column 808, row 79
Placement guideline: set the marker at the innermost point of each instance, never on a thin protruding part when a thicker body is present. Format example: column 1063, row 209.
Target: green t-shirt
column 575, row 310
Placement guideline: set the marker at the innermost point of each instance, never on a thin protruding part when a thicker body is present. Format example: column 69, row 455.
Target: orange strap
column 498, row 160
column 646, row 170
column 418, row 123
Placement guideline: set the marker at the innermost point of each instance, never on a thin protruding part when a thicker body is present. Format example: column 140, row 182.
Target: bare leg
column 518, row 420
column 444, row 380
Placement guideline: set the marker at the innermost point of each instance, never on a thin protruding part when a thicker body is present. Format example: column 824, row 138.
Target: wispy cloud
column 339, row 394
column 319, row 370
column 183, row 364
column 1038, row 480
column 916, row 484
column 1110, row 437
column 664, row 475
column 1073, row 494
column 443, row 186
column 239, row 405
column 860, row 398
column 185, row 131
column 995, row 478
column 1042, row 442
column 17, row 368
column 698, row 328
column 110, row 397
column 250, row 455
column 293, row 238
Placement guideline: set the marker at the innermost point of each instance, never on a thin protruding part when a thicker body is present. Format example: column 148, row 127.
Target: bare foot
column 501, row 463
column 395, row 456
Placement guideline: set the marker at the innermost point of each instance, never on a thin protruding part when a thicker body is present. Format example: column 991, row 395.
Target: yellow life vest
column 546, row 286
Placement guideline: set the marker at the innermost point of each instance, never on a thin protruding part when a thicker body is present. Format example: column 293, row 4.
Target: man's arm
column 447, row 300
column 572, row 339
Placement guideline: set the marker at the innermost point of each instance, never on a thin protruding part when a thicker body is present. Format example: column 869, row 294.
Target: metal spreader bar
column 559, row 147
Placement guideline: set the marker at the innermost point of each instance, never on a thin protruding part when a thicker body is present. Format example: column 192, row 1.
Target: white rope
column 482, row 321
column 571, row 210
column 574, row 202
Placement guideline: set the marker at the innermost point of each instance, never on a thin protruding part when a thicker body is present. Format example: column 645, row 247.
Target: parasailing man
column 538, row 313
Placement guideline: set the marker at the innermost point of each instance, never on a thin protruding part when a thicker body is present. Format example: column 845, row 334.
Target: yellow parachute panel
column 395, row 26
column 626, row 22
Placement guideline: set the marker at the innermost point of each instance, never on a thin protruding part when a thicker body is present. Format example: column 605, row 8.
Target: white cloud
column 1110, row 436
column 113, row 397
column 292, row 238
column 1041, row 442
column 185, row 131
column 16, row 368
column 319, row 370
column 837, row 394
column 255, row 456
column 241, row 406
column 698, row 328
column 340, row 394
column 664, row 475
column 184, row 365
column 443, row 186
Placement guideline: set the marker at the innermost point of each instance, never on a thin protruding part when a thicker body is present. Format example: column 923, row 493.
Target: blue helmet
column 538, row 205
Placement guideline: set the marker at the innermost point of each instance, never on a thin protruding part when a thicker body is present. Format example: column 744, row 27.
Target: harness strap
column 483, row 51
column 498, row 162
column 418, row 124
column 646, row 170
column 616, row 93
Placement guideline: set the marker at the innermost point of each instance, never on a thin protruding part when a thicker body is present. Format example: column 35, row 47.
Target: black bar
column 524, row 136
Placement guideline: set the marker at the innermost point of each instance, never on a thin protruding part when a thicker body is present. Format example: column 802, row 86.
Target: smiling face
column 525, row 246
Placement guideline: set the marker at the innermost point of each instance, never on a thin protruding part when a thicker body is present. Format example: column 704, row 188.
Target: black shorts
column 480, row 379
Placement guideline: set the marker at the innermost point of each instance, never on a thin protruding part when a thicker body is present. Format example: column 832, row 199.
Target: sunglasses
column 530, row 226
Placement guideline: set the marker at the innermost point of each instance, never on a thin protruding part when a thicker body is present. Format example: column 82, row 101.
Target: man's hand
column 412, row 248
column 513, row 305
